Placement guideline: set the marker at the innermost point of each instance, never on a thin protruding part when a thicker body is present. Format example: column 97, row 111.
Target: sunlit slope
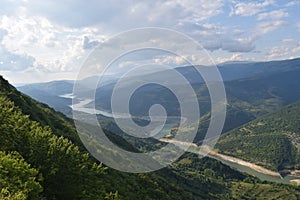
column 272, row 141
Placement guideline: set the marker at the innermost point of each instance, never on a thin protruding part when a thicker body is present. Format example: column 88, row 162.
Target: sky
column 49, row 40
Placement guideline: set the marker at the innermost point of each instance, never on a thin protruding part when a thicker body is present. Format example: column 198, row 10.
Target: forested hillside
column 272, row 141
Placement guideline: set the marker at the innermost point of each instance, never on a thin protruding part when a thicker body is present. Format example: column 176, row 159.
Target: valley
column 259, row 140
column 45, row 144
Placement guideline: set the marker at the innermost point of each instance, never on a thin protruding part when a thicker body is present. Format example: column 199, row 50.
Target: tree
column 18, row 180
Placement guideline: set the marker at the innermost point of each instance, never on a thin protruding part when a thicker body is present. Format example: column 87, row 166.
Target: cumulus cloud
column 292, row 3
column 230, row 45
column 278, row 51
column 290, row 50
column 14, row 62
column 9, row 7
column 174, row 60
column 55, row 47
column 249, row 8
column 87, row 44
column 273, row 15
column 236, row 45
column 215, row 37
column 55, row 36
column 10, row 61
column 2, row 33
column 125, row 14
column 288, row 40
column 234, row 57
column 268, row 26
column 298, row 26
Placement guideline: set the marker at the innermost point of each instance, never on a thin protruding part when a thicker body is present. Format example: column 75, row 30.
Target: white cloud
column 174, row 60
column 14, row 62
column 278, row 51
column 57, row 34
column 288, row 40
column 54, row 36
column 87, row 44
column 230, row 44
column 126, row 14
column 250, row 8
column 292, row 3
column 284, row 51
column 273, row 15
column 234, row 57
column 55, row 47
column 298, row 26
column 214, row 37
column 268, row 26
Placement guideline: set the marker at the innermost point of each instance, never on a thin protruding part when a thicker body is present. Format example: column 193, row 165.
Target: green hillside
column 272, row 141
column 42, row 113
column 47, row 161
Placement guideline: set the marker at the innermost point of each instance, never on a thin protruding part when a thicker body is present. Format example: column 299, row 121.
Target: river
column 235, row 163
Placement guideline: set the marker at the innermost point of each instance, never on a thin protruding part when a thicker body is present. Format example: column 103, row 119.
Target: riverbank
column 245, row 163
column 206, row 150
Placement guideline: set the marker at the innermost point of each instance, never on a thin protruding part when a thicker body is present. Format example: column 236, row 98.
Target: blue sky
column 47, row 40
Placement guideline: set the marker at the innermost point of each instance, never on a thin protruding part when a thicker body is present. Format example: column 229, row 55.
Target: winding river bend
column 238, row 164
